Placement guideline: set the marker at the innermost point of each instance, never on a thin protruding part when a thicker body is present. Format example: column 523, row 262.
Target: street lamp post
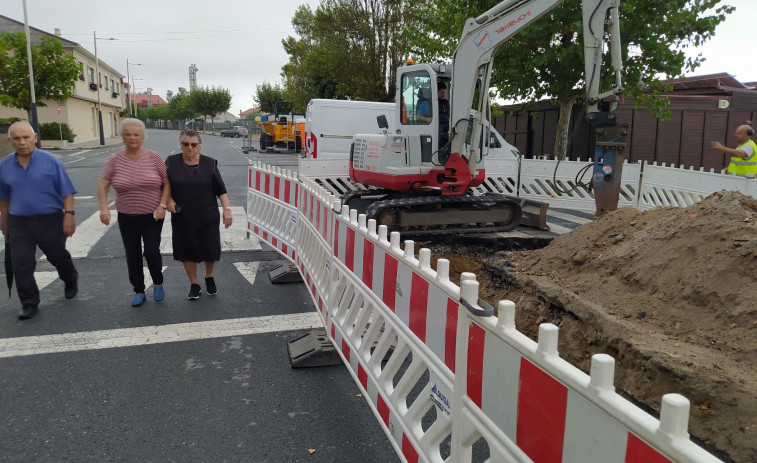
column 131, row 91
column 134, row 100
column 97, row 84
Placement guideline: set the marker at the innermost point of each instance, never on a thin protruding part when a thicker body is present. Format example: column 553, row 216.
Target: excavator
column 417, row 178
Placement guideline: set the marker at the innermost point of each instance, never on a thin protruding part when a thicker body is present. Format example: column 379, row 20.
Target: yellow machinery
column 279, row 132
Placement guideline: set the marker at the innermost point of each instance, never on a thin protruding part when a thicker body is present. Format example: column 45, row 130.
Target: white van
column 330, row 125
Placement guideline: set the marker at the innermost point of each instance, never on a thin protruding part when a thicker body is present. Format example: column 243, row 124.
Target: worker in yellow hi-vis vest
column 744, row 157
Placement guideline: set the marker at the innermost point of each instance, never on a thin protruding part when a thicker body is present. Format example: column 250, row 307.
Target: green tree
column 546, row 59
column 347, row 49
column 180, row 109
column 210, row 101
column 267, row 95
column 159, row 112
column 55, row 72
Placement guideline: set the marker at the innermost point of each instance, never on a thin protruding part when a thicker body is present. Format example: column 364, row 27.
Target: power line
column 256, row 32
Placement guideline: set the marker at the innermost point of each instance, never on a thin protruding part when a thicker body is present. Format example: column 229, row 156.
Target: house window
column 106, row 83
column 117, row 87
column 81, row 70
column 113, row 85
column 91, row 74
column 100, row 78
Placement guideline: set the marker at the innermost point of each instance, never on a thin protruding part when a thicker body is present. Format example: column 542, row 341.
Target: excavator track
column 435, row 215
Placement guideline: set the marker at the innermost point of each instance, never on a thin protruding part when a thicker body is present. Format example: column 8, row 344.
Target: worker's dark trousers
column 45, row 231
column 135, row 229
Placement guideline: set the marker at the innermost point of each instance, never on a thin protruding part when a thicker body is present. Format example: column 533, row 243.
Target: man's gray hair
column 135, row 122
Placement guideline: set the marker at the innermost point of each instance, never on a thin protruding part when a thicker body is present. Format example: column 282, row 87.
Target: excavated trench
column 646, row 368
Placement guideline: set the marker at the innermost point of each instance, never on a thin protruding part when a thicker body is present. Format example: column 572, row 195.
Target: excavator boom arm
column 471, row 65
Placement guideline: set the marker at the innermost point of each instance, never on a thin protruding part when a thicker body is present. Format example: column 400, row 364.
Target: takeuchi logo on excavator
column 513, row 22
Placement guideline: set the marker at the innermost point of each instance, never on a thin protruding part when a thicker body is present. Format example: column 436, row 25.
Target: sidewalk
column 56, row 144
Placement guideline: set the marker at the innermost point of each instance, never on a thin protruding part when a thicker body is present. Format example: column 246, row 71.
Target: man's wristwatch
column 163, row 206
column 70, row 212
column 228, row 208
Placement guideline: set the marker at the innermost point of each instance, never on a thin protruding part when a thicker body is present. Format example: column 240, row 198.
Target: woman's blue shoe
column 139, row 299
column 158, row 293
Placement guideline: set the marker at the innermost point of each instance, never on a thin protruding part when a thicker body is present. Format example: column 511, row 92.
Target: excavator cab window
column 416, row 95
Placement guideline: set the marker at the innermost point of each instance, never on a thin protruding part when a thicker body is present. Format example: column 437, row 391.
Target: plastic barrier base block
column 312, row 350
column 286, row 273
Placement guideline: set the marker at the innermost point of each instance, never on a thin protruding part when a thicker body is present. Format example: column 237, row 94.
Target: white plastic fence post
column 409, row 249
column 506, row 316
column 602, row 372
column 382, row 231
column 674, row 416
column 442, row 270
column 394, row 239
column 548, row 339
column 467, row 276
column 424, row 258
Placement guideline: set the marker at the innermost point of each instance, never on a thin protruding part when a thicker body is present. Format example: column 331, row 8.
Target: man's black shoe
column 27, row 312
column 70, row 290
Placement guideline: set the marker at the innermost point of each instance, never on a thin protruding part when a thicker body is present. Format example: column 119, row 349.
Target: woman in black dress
column 195, row 185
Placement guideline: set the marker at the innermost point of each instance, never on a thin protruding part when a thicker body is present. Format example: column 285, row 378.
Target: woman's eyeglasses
column 187, row 144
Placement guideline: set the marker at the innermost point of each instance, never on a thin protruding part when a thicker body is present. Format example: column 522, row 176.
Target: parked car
column 236, row 132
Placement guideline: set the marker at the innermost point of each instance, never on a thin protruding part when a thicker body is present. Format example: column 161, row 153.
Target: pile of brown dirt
column 670, row 293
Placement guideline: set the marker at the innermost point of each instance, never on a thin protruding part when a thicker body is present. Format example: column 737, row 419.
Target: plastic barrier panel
column 670, row 186
column 555, row 183
column 272, row 208
column 445, row 384
column 528, row 404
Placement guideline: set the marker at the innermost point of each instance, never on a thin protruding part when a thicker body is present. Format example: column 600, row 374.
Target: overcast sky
column 237, row 43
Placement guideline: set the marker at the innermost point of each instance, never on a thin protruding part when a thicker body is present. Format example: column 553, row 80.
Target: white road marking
column 145, row 335
column 87, row 234
column 148, row 277
column 43, row 279
column 248, row 270
column 232, row 239
column 84, row 197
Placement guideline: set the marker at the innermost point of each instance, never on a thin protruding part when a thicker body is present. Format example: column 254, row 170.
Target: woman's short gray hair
column 190, row 133
column 133, row 121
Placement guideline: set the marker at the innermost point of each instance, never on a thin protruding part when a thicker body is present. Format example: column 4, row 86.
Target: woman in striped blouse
column 142, row 190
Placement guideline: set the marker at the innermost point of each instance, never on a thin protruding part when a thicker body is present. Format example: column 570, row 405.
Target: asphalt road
column 93, row 379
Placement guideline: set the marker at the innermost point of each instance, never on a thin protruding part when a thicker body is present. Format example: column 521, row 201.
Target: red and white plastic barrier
column 438, row 378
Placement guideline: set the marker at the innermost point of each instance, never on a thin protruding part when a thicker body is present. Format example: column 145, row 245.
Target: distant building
column 244, row 114
column 225, row 117
column 79, row 111
column 143, row 100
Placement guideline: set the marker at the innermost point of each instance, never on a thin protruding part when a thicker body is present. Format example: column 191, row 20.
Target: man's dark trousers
column 45, row 231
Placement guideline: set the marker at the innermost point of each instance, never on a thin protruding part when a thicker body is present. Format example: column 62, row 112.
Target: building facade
column 80, row 111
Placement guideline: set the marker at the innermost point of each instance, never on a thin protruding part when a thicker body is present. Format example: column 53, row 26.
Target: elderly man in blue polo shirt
column 36, row 209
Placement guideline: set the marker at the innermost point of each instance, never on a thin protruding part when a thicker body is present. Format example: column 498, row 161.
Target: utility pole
column 131, row 90
column 33, row 106
column 99, row 100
